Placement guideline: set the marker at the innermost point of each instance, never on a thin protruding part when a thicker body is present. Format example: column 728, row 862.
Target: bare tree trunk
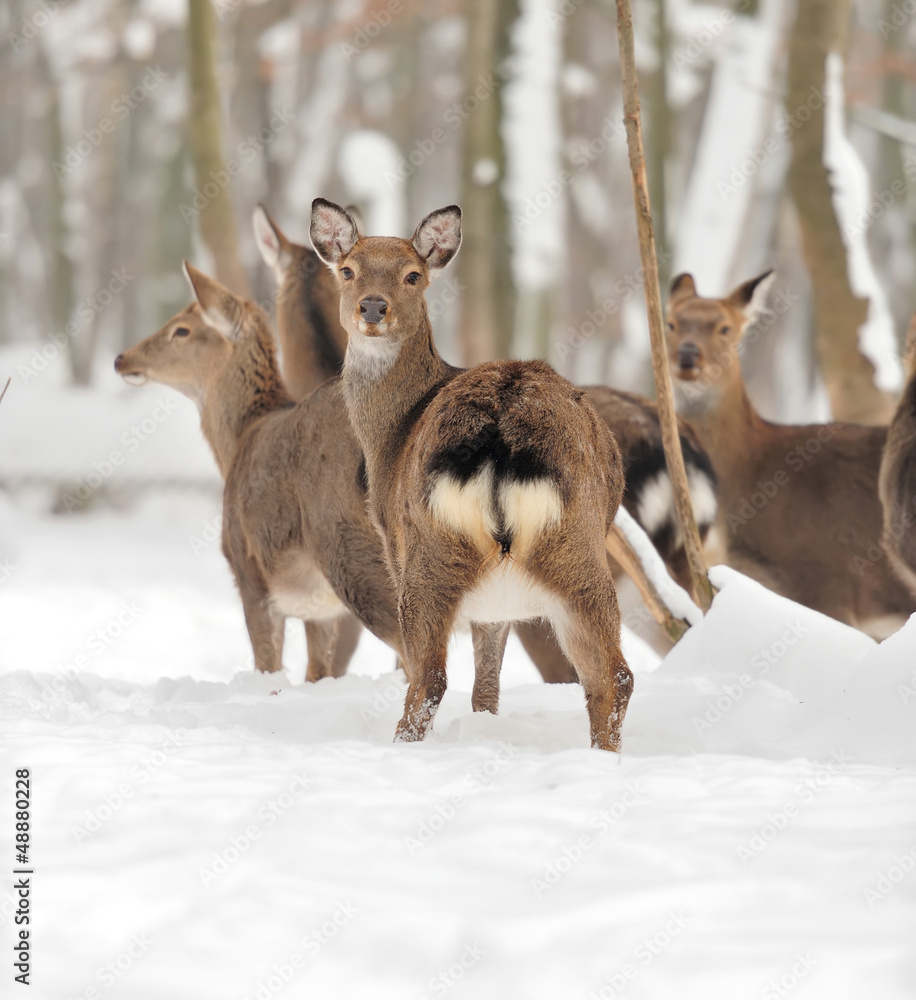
column 820, row 28
column 488, row 300
column 216, row 218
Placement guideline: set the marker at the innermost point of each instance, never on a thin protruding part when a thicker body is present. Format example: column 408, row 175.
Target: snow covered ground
column 204, row 832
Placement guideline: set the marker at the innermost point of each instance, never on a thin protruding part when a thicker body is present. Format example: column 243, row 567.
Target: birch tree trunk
column 216, row 218
column 820, row 28
column 488, row 298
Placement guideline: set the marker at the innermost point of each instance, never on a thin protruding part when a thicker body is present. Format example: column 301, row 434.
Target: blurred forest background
column 779, row 133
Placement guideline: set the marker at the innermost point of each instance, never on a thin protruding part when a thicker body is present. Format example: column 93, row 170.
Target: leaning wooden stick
column 620, row 548
column 670, row 439
column 2, row 394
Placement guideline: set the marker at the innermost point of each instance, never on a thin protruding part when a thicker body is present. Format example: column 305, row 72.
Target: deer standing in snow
column 897, row 481
column 309, row 308
column 295, row 528
column 798, row 505
column 493, row 489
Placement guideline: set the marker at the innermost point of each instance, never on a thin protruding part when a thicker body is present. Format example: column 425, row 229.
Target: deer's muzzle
column 372, row 309
column 688, row 357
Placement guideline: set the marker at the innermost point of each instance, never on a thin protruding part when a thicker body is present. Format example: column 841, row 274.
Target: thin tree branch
column 670, row 437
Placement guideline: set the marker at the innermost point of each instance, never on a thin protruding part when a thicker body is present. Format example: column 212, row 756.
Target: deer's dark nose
column 372, row 309
column 119, row 361
column 688, row 355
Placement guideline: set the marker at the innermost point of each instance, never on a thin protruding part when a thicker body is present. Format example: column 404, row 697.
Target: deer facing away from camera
column 493, row 489
column 295, row 529
column 307, row 311
column 897, row 482
column 798, row 505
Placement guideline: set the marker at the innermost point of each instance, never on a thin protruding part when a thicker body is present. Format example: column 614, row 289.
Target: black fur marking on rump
column 644, row 464
column 639, row 468
column 464, row 459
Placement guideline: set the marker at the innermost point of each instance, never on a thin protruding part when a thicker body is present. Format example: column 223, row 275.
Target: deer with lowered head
column 304, row 318
column 295, row 529
column 798, row 504
column 493, row 488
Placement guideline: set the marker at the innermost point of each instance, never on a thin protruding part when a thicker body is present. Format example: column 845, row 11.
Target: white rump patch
column 467, row 507
column 528, row 510
column 656, row 502
column 525, row 511
column 703, row 496
column 507, row 593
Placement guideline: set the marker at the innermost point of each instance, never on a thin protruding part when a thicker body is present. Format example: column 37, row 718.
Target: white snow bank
column 206, row 831
column 678, row 601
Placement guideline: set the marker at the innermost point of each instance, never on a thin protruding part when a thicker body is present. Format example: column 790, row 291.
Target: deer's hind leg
column 588, row 629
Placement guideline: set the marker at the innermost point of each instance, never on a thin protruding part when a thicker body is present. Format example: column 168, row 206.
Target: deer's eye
column 413, row 277
column 347, row 273
column 181, row 331
column 671, row 328
column 725, row 330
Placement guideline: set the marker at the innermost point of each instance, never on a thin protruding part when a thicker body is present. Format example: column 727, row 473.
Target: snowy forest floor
column 201, row 832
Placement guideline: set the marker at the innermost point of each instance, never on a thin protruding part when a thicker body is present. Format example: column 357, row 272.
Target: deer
column 295, row 529
column 897, row 478
column 492, row 488
column 633, row 419
column 312, row 345
column 798, row 504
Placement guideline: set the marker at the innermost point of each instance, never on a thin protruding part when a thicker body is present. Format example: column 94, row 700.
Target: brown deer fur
column 633, row 419
column 295, row 528
column 312, row 346
column 312, row 341
column 897, row 481
column 798, row 505
column 493, row 489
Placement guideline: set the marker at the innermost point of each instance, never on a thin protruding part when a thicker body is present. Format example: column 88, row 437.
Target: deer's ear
column 274, row 246
column 682, row 287
column 332, row 230
column 750, row 297
column 220, row 308
column 438, row 237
